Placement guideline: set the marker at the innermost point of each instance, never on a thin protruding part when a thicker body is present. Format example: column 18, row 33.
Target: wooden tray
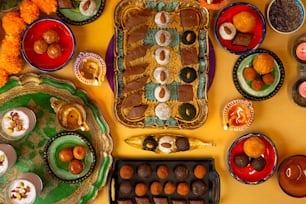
column 123, row 47
column 34, row 91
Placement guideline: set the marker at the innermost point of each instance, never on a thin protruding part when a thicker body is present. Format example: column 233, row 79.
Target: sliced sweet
column 137, row 52
column 161, row 75
column 135, row 70
column 162, row 93
column 189, row 56
column 142, row 200
column 162, row 19
column 136, row 17
column 227, row 31
column 163, row 111
column 166, row 144
column 162, row 55
column 135, row 84
column 242, row 39
column 185, row 93
column 137, row 34
column 189, row 18
column 137, row 111
column 163, row 38
column 133, row 99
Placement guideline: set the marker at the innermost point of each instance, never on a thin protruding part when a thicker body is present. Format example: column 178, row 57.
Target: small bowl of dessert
column 238, row 115
column 90, row 68
column 48, row 44
column 252, row 158
column 292, row 175
column 286, row 17
column 17, row 122
column 24, row 189
column 70, row 157
column 8, row 158
column 240, row 28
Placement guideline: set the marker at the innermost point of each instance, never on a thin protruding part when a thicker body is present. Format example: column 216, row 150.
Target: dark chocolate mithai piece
column 189, row 55
column 182, row 144
column 242, row 39
column 150, row 143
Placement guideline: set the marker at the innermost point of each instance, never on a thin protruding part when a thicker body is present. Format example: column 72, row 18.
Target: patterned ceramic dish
column 286, row 19
column 255, row 36
column 245, row 87
column 40, row 59
column 248, row 174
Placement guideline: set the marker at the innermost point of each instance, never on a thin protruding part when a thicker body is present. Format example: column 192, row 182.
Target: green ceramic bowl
column 59, row 169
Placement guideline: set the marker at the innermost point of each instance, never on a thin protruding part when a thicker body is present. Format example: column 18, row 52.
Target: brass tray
column 34, row 91
column 124, row 48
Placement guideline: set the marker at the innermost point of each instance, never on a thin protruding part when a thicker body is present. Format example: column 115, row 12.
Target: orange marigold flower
column 29, row 11
column 12, row 23
column 11, row 45
column 46, row 6
column 11, row 64
column 3, row 77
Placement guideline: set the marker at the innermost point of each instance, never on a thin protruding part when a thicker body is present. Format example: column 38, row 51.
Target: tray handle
column 215, row 193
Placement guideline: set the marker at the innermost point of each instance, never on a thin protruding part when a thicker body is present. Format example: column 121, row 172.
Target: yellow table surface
column 278, row 117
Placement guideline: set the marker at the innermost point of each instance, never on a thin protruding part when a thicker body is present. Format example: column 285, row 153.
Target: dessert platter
column 39, row 150
column 161, row 72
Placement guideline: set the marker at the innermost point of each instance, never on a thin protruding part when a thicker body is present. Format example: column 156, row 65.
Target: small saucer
column 58, row 168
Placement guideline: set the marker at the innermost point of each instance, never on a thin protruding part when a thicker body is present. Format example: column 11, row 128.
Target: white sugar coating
column 15, row 187
column 227, row 31
column 163, row 111
column 163, row 37
column 166, row 95
column 166, row 140
column 7, row 120
column 157, row 75
column 3, row 164
column 162, row 56
column 88, row 7
column 162, row 19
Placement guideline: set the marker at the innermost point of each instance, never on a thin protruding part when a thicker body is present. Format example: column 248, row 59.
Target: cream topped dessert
column 18, row 122
column 8, row 158
column 3, row 163
column 21, row 191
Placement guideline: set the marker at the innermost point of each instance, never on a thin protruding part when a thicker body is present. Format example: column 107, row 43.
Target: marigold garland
column 29, row 11
column 14, row 23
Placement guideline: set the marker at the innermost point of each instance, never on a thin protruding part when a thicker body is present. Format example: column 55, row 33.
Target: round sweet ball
column 199, row 188
column 257, row 84
column 144, row 171
column 254, row 147
column 241, row 160
column 258, row 164
column 182, row 144
column 141, row 189
column 162, row 171
column 126, row 171
column 169, row 188
column 125, row 187
column 199, row 171
column 249, row 73
column 181, row 172
column 156, row 188
column 268, row 78
column 244, row 21
column 263, row 63
column 183, row 188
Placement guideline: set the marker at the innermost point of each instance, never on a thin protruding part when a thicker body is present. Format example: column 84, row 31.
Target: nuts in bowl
column 69, row 157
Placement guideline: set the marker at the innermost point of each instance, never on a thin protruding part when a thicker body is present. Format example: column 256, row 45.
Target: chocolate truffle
column 125, row 187
column 182, row 144
column 241, row 160
column 183, row 189
column 126, row 171
column 142, row 200
column 149, row 143
column 258, row 164
column 141, row 189
column 199, row 188
column 199, row 171
column 144, row 171
column 156, row 188
column 162, row 171
column 169, row 188
column 181, row 172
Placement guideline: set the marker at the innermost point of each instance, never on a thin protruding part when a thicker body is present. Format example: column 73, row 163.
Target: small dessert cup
column 24, row 189
column 17, row 122
column 8, row 158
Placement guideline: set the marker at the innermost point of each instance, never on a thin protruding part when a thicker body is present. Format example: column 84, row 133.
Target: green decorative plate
column 34, row 91
column 75, row 17
column 244, row 86
column 60, row 169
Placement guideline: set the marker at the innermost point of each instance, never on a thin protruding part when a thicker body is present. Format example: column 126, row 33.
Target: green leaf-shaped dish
column 59, row 169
